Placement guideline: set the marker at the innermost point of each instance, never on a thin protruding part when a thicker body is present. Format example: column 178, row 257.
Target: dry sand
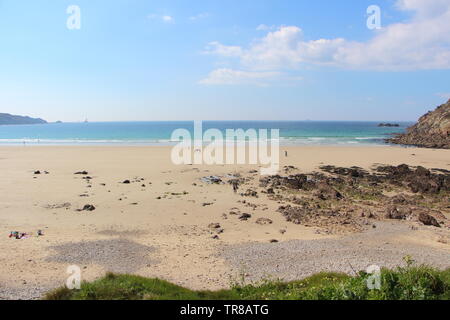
column 161, row 229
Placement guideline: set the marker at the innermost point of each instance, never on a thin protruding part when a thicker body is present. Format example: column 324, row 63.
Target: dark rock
column 126, row 182
column 428, row 220
column 82, row 173
column 212, row 180
column 264, row 221
column 288, row 169
column 250, row 193
column 354, row 172
column 399, row 199
column 88, row 207
column 245, row 216
column 422, row 185
column 421, row 171
column 295, row 215
column 389, row 125
column 398, row 213
column 327, row 192
column 420, row 180
column 295, row 182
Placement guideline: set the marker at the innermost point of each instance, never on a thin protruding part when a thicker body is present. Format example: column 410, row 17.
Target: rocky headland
column 9, row 119
column 432, row 130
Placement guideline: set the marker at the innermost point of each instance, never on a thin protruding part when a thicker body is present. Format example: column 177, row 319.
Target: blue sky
column 224, row 60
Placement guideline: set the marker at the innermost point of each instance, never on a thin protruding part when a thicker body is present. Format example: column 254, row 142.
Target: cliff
column 432, row 130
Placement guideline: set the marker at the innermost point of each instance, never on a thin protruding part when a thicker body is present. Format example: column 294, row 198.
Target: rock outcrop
column 341, row 200
column 432, row 130
column 389, row 125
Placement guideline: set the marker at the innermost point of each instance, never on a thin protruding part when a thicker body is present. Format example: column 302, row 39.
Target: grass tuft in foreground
column 408, row 283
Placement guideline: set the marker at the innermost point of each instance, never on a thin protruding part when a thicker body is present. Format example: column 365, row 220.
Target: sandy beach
column 159, row 224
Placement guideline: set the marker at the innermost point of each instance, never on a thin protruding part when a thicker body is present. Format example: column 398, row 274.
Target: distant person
column 235, row 184
column 286, row 154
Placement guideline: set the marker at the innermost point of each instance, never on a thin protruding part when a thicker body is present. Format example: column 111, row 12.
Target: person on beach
column 235, row 184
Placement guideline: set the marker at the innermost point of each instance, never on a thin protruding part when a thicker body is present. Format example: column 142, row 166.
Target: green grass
column 408, row 283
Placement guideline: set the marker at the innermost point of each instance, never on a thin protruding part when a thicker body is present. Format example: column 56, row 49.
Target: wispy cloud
column 163, row 18
column 225, row 76
column 444, row 95
column 216, row 48
column 199, row 16
column 167, row 19
column 233, row 77
column 263, row 27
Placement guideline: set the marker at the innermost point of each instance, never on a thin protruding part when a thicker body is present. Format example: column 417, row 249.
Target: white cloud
column 167, row 18
column 222, row 50
column 263, row 27
column 427, row 8
column 274, row 50
column 422, row 43
column 163, row 18
column 199, row 16
column 226, row 76
column 231, row 77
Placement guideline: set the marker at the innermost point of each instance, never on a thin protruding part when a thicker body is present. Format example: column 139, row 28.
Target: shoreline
column 161, row 145
column 286, row 142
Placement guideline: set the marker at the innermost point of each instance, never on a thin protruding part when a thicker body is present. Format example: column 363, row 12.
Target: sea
column 160, row 133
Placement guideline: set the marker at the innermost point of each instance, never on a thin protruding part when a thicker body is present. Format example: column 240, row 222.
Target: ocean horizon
column 158, row 133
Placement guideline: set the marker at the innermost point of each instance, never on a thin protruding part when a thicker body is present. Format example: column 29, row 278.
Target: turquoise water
column 159, row 133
